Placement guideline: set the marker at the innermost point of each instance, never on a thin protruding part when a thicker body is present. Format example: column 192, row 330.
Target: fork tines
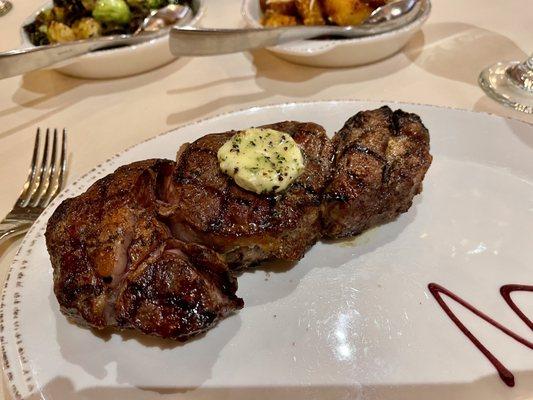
column 47, row 170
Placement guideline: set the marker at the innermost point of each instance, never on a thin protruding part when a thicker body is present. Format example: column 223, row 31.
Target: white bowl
column 340, row 52
column 121, row 61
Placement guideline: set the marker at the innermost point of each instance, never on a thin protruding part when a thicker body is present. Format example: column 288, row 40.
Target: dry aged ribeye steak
column 178, row 292
column 211, row 209
column 116, row 264
column 381, row 158
column 148, row 246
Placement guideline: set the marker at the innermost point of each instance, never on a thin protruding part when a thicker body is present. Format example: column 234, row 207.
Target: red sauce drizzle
column 437, row 291
column 506, row 290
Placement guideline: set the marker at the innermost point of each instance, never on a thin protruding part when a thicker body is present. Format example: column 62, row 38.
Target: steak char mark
column 152, row 246
column 381, row 158
column 116, row 264
column 245, row 227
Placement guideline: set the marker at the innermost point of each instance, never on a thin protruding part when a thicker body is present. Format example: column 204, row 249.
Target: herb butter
column 261, row 160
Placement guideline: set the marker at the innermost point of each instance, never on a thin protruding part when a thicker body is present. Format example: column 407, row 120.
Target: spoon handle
column 188, row 41
column 16, row 62
column 206, row 42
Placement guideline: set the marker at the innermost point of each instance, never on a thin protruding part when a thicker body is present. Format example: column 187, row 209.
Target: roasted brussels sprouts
column 147, row 4
column 88, row 4
column 44, row 17
column 70, row 10
column 112, row 11
column 86, row 28
column 57, row 14
column 36, row 35
column 83, row 19
column 58, row 32
column 156, row 3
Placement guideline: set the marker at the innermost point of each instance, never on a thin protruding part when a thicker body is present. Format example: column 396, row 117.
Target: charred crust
column 368, row 175
column 228, row 212
column 374, row 189
column 357, row 148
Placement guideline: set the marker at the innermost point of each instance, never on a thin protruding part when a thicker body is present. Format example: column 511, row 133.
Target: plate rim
column 17, row 262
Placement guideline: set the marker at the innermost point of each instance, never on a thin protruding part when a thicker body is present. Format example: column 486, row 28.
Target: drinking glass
column 510, row 83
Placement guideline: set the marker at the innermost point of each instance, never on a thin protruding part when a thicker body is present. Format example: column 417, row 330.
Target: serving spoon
column 187, row 41
column 156, row 24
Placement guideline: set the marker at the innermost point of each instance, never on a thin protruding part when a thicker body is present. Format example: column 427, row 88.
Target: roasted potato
column 273, row 20
column 310, row 12
column 317, row 12
column 88, row 4
column 285, row 7
column 346, row 12
column 375, row 3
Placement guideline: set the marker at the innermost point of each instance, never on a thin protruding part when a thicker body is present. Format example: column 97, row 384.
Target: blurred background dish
column 340, row 52
column 312, row 13
column 74, row 20
column 5, row 7
column 120, row 61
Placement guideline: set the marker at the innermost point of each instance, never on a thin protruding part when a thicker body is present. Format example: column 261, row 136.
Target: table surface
column 439, row 66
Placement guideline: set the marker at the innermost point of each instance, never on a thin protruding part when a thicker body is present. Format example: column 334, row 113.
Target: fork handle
column 13, row 228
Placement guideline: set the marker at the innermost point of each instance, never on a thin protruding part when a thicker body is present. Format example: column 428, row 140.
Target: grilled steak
column 381, row 158
column 116, row 264
column 180, row 291
column 211, row 209
column 152, row 246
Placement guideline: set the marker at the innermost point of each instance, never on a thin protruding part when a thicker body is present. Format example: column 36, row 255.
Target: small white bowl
column 340, row 52
column 121, row 61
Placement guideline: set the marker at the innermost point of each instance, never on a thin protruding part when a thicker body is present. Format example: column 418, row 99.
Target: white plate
column 340, row 52
column 350, row 320
column 121, row 61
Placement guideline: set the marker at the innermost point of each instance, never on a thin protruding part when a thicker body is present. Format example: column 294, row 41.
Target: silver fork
column 44, row 182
